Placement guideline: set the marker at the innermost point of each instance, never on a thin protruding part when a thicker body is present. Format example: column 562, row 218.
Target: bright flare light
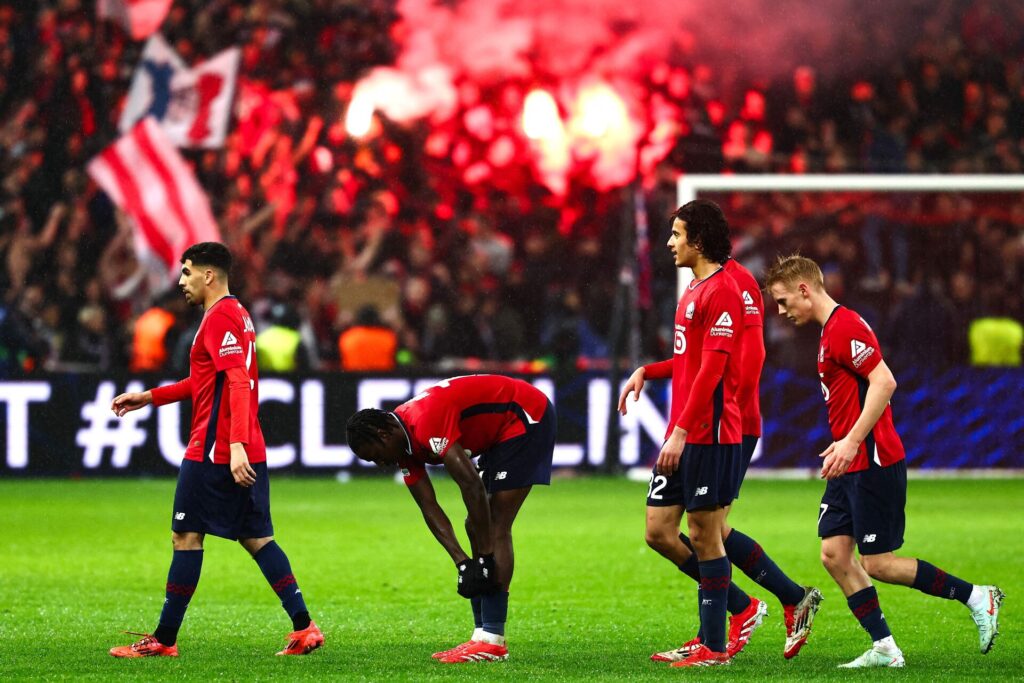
column 540, row 116
column 359, row 116
column 599, row 110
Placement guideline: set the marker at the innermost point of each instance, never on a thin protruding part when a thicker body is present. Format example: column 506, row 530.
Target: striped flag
column 139, row 17
column 147, row 179
column 192, row 104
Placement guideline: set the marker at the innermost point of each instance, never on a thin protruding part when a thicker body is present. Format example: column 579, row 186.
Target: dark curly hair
column 706, row 228
column 364, row 428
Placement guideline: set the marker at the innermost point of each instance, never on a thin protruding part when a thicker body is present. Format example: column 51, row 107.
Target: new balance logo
column 179, row 516
column 725, row 320
column 869, row 538
column 500, row 475
column 702, row 491
column 229, row 339
column 705, row 602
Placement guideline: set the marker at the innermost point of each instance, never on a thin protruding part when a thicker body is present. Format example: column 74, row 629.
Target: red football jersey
column 753, row 317
column 709, row 317
column 848, row 353
column 226, row 339
column 475, row 411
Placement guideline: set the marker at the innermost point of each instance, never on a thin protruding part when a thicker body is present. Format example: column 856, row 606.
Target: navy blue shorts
column 522, row 461
column 208, row 501
column 867, row 505
column 749, row 446
column 708, row 476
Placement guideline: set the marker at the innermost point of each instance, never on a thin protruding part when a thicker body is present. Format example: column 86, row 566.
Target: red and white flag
column 192, row 105
column 139, row 17
column 147, row 178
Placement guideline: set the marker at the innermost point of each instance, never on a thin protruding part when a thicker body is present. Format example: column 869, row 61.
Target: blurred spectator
column 154, row 335
column 279, row 346
column 369, row 345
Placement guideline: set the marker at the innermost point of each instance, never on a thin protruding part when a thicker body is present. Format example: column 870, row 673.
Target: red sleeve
column 752, row 356
column 660, row 370
column 172, row 393
column 224, row 338
column 436, row 430
column 856, row 347
column 239, row 398
column 712, row 368
column 412, row 471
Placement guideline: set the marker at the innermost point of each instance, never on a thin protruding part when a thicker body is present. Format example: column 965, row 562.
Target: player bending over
column 223, row 487
column 865, row 469
column 510, row 425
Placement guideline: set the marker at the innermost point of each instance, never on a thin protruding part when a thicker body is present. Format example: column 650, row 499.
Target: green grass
column 80, row 561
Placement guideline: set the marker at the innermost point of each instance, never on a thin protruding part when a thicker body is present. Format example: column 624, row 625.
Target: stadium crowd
column 401, row 236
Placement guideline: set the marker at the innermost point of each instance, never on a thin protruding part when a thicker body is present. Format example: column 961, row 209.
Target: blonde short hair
column 790, row 269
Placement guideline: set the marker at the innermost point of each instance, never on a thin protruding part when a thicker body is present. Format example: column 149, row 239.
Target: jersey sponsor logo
column 747, row 299
column 751, row 307
column 689, row 310
column 679, row 340
column 229, row 346
column 860, row 352
column 723, row 326
column 438, row 444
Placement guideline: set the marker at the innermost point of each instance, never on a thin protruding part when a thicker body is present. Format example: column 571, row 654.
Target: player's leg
column 256, row 534
column 839, row 525
column 886, row 488
column 705, row 529
column 187, row 527
column 509, row 470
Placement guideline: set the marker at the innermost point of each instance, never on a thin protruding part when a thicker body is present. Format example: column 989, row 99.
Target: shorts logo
column 179, row 516
column 438, row 444
column 689, row 311
column 860, row 352
column 500, row 475
column 869, row 538
column 702, row 491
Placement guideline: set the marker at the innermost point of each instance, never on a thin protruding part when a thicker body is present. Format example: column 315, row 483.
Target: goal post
column 689, row 186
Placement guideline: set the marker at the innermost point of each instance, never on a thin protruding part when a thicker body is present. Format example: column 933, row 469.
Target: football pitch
column 82, row 561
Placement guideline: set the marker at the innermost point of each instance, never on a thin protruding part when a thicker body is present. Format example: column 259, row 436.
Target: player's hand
column 671, row 452
column 634, row 384
column 126, row 403
column 466, row 586
column 487, row 574
column 241, row 470
column 837, row 458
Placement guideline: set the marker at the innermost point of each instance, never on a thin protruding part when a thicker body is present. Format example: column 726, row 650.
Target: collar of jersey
column 695, row 282
column 408, row 441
